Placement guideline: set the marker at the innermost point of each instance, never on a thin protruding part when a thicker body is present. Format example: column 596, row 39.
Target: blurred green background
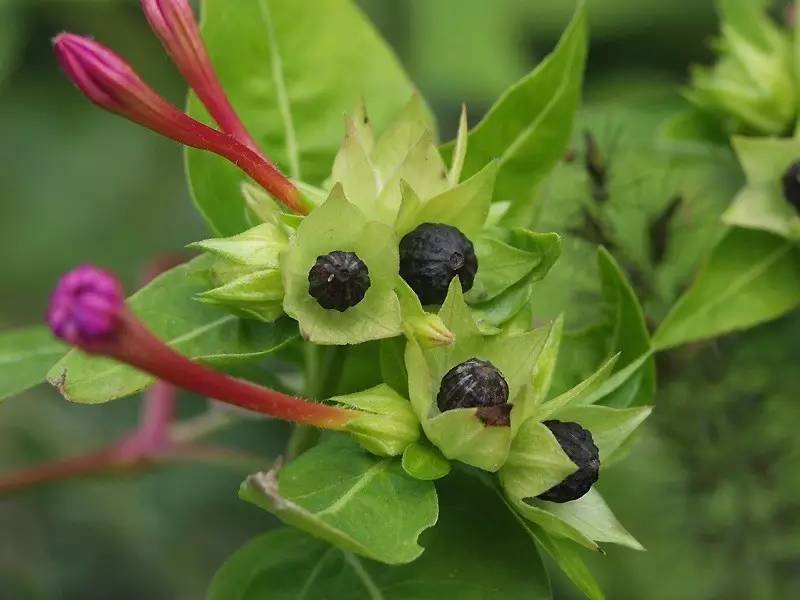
column 711, row 488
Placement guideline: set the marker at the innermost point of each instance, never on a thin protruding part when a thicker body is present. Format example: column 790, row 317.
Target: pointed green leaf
column 591, row 516
column 579, row 394
column 751, row 277
column 530, row 125
column 289, row 564
column 25, row 357
column 627, row 331
column 568, row 558
column 339, row 493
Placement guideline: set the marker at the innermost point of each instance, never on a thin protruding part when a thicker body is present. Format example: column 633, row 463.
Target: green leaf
column 25, row 357
column 348, row 497
column 627, row 331
column 530, row 125
column 467, row 558
column 500, row 267
column 751, row 277
column 393, row 365
column 198, row 330
column 591, row 516
column 425, row 462
column 291, row 70
column 567, row 556
column 579, row 394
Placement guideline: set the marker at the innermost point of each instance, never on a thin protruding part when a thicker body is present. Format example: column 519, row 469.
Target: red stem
column 138, row 347
column 99, row 462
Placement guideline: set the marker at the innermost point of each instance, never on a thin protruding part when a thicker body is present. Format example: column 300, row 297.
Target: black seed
column 476, row 383
column 431, row 255
column 579, row 445
column 791, row 185
column 338, row 280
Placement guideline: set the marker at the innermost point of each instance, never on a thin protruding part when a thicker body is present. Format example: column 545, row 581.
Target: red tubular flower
column 87, row 310
column 109, row 82
column 174, row 23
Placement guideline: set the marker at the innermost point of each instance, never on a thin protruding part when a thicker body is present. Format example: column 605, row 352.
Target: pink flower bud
column 86, row 306
column 174, row 23
column 88, row 310
column 112, row 84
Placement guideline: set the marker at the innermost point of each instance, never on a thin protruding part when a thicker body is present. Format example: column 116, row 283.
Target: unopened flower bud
column 386, row 424
column 85, row 307
column 429, row 330
column 174, row 23
column 109, row 82
column 87, row 310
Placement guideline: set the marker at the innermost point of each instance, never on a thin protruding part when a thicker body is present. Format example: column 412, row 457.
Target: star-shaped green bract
column 339, row 225
column 459, row 433
column 761, row 204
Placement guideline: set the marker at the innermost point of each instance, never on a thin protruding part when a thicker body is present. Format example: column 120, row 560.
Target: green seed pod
column 791, row 185
column 431, row 256
column 339, row 280
column 579, row 446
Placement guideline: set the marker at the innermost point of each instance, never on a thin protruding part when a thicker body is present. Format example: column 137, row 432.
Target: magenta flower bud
column 109, row 82
column 88, row 311
column 86, row 306
column 174, row 23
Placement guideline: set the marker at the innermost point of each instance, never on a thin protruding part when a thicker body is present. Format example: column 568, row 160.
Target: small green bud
column 387, row 424
column 752, row 86
column 246, row 272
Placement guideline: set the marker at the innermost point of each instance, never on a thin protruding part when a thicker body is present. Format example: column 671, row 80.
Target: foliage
column 411, row 500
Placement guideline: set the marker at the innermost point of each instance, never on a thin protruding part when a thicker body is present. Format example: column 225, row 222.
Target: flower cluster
column 393, row 245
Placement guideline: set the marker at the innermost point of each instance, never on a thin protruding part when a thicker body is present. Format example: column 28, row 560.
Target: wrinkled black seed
column 338, row 280
column 476, row 383
column 431, row 255
column 579, row 445
column 791, row 185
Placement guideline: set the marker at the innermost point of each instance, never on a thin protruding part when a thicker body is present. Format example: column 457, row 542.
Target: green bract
column 536, row 461
column 387, row 425
column 460, row 434
column 752, row 87
column 762, row 203
column 246, row 271
column 338, row 225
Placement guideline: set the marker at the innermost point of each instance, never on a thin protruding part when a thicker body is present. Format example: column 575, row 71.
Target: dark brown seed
column 338, row 280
